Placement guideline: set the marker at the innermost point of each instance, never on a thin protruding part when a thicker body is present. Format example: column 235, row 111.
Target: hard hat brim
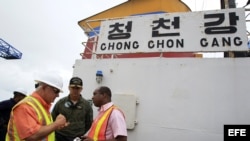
column 48, row 83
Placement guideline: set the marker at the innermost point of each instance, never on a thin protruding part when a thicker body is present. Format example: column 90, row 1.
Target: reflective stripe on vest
column 43, row 117
column 99, row 126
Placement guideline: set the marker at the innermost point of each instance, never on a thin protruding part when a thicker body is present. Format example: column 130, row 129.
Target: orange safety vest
column 99, row 126
column 44, row 119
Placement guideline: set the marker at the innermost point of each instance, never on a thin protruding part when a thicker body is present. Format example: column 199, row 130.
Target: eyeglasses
column 56, row 91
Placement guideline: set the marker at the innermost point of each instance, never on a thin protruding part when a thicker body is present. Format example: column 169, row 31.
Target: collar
column 13, row 101
column 69, row 99
column 40, row 99
column 105, row 106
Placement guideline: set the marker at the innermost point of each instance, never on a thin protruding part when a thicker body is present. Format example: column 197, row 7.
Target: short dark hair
column 105, row 89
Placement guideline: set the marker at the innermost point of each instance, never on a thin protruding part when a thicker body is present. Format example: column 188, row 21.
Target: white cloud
column 47, row 33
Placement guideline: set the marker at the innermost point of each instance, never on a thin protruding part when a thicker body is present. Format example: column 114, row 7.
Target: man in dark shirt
column 77, row 110
column 5, row 109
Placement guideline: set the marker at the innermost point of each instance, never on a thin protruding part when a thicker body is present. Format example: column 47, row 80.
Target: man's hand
column 61, row 121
